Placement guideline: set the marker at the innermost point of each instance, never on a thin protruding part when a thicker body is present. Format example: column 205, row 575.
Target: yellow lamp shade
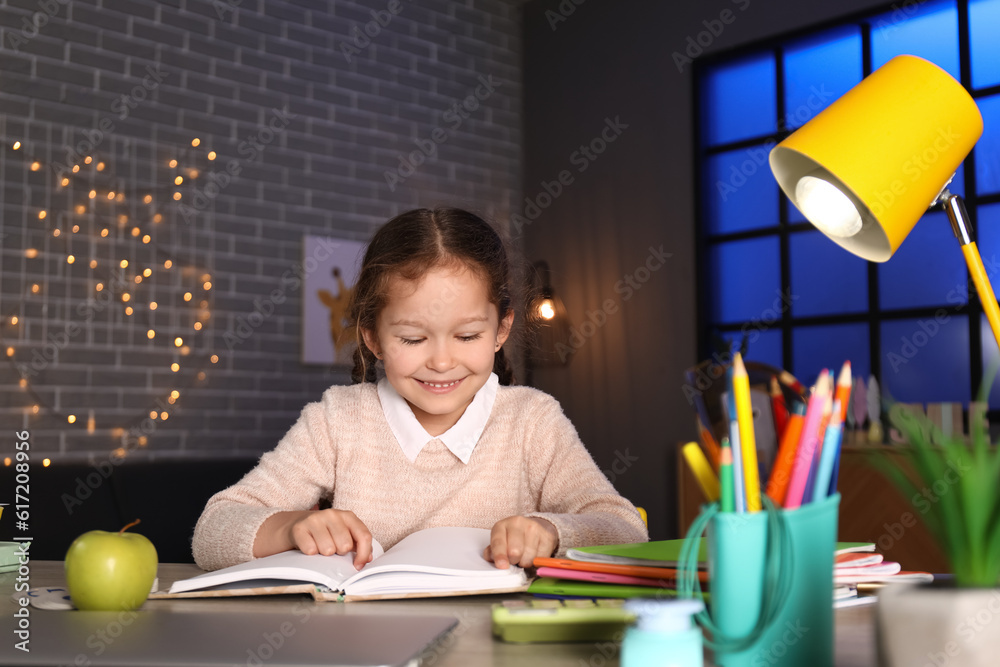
column 866, row 168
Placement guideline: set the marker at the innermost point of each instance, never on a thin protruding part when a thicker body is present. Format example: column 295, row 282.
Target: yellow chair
column 642, row 513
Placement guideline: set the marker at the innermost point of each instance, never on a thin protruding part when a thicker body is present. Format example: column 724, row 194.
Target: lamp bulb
column 546, row 309
column 827, row 207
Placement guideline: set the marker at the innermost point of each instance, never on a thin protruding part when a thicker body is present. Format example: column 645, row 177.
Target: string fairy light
column 94, row 194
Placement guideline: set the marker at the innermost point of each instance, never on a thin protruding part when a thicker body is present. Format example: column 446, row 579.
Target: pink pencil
column 808, row 442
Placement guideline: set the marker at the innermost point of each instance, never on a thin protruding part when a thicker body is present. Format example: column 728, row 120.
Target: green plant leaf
column 931, row 466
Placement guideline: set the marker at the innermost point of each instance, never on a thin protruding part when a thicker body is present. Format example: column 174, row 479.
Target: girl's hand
column 518, row 540
column 324, row 532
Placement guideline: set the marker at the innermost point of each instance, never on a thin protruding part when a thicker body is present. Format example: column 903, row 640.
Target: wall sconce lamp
column 548, row 323
column 866, row 168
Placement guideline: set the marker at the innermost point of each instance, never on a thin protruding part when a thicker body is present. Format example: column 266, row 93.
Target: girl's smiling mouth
column 440, row 387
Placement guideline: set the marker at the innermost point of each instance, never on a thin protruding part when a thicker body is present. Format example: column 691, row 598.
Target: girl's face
column 437, row 337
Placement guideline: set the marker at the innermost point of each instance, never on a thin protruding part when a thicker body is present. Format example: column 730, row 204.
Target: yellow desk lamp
column 866, row 168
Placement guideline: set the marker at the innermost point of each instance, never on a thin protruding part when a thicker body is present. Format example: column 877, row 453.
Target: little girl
column 440, row 440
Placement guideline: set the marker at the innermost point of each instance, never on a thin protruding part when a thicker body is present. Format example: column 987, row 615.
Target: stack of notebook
column 871, row 567
column 650, row 570
column 647, row 569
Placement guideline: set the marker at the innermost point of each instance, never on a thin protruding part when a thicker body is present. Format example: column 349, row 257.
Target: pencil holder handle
column 749, row 565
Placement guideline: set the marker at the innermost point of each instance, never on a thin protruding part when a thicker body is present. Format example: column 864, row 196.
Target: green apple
column 110, row 571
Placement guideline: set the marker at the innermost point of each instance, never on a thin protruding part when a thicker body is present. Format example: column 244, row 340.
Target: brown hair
column 411, row 244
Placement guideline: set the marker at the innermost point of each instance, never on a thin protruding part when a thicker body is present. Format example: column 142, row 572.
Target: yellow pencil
column 748, row 444
column 703, row 472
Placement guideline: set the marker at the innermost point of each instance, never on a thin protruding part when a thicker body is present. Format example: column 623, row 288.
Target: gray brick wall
column 309, row 109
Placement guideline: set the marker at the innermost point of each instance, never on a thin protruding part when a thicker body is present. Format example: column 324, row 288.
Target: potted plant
column 954, row 622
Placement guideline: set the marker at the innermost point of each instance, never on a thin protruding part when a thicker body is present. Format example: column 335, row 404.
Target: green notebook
column 553, row 586
column 666, row 553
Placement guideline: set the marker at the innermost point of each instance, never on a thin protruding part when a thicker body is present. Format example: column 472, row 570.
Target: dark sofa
column 67, row 500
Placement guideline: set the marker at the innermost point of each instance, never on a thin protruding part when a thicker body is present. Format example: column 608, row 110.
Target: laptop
column 167, row 638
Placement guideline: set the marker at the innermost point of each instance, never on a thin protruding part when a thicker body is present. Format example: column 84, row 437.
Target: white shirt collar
column 461, row 438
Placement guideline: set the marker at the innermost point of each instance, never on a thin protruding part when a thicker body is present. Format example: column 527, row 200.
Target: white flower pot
column 931, row 625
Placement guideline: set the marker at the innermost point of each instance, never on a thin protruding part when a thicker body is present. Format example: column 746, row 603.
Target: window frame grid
column 784, row 228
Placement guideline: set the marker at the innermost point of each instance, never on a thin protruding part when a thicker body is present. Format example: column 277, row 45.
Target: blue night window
column 818, row 71
column 819, row 347
column 747, row 285
column 926, row 360
column 741, row 193
column 826, row 279
column 927, row 270
column 988, row 149
column 740, row 100
column 928, row 30
column 984, row 26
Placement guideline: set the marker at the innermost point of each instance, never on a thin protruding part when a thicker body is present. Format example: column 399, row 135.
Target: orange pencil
column 778, row 407
column 781, row 473
column 711, row 446
column 843, row 392
column 808, row 441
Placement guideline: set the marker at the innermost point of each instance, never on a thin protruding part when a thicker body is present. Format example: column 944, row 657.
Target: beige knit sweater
column 528, row 461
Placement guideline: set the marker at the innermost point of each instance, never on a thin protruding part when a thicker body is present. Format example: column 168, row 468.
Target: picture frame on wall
column 330, row 268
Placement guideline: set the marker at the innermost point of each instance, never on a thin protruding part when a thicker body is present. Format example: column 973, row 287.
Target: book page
column 330, row 571
column 420, row 560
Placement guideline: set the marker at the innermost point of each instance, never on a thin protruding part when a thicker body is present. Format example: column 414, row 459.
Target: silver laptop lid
column 206, row 639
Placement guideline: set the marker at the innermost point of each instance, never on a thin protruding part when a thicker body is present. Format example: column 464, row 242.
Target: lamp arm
column 962, row 226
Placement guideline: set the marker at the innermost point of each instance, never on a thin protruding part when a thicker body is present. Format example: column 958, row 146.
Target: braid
column 502, row 368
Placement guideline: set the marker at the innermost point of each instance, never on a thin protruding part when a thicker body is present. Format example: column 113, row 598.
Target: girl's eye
column 411, row 341
column 470, row 338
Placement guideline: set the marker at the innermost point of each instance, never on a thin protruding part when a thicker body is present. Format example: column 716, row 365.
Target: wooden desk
column 470, row 643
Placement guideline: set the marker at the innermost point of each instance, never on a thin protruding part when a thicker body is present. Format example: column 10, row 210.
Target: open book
column 434, row 562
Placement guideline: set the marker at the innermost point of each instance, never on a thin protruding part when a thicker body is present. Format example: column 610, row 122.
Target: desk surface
column 470, row 644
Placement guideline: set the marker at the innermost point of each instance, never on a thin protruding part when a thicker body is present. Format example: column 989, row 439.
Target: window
column 803, row 302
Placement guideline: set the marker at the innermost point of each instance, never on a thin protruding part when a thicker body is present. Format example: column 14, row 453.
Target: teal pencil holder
column 771, row 584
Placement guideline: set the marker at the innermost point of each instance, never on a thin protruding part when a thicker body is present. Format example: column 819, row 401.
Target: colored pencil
column 807, row 493
column 843, row 393
column 703, row 472
column 734, row 445
column 748, row 442
column 778, row 407
column 831, row 445
column 807, row 442
column 697, row 398
column 708, row 442
column 727, row 493
column 781, row 473
column 836, row 466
